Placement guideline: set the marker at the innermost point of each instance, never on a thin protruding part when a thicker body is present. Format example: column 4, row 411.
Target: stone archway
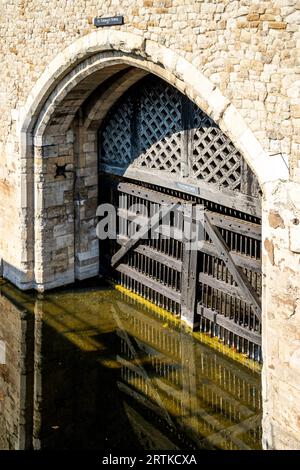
column 100, row 54
column 111, row 47
column 102, row 50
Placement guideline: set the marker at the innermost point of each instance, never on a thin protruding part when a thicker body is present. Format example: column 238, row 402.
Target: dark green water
column 87, row 368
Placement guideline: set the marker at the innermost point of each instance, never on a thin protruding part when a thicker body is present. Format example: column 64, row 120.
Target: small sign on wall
column 109, row 21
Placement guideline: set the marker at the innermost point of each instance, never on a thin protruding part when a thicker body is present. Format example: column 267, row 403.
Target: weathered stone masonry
column 237, row 60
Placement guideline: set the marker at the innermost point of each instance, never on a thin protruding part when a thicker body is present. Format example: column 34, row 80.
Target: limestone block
column 277, row 25
column 278, row 437
column 217, row 104
column 89, row 147
column 59, row 230
column 64, row 241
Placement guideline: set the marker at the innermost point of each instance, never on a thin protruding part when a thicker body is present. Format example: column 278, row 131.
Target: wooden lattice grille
column 160, row 129
column 116, row 136
column 155, row 127
column 214, row 157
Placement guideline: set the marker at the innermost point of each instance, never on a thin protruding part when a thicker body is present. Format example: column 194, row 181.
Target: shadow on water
column 86, row 368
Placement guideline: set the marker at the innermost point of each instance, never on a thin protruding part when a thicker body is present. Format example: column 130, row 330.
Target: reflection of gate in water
column 157, row 147
column 182, row 394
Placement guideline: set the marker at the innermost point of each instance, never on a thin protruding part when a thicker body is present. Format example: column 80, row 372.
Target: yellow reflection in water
column 108, row 351
column 203, row 337
column 171, row 383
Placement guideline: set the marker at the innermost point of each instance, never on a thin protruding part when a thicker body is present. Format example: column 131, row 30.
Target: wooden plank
column 249, row 229
column 240, row 330
column 156, row 255
column 210, row 192
column 249, row 182
column 229, row 324
column 206, row 247
column 132, row 216
column 232, row 224
column 142, row 232
column 165, row 229
column 126, row 215
column 186, row 135
column 148, row 194
column 149, row 282
column 112, row 169
column 189, row 269
column 246, row 262
column 235, row 225
column 239, row 259
column 221, row 286
column 237, row 273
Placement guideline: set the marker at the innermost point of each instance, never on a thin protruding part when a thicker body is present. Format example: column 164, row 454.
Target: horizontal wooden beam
column 149, row 282
column 222, row 286
column 242, row 227
column 227, row 222
column 240, row 260
column 162, row 258
column 208, row 248
column 156, row 255
column 229, row 324
column 148, row 194
column 208, row 191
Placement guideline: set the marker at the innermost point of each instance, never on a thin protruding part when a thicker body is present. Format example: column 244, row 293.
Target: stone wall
column 248, row 81
column 248, row 49
column 281, row 318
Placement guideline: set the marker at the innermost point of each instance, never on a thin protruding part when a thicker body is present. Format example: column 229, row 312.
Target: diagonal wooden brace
column 140, row 234
column 237, row 273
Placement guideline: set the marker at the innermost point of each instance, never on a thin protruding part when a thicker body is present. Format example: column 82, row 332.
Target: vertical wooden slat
column 186, row 118
column 189, row 268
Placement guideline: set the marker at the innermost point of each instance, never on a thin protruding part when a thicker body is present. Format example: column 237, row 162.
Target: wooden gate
column 158, row 151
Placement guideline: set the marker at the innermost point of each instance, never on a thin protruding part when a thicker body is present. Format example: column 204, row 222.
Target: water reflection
column 89, row 368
